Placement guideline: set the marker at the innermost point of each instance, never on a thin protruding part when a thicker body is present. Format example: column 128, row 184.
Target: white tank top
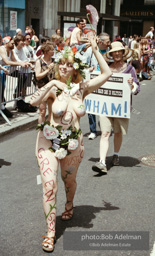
column 2, row 63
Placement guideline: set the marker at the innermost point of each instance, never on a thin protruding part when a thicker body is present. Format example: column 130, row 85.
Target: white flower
column 73, row 144
column 68, row 132
column 63, row 136
column 60, row 153
column 59, row 55
column 56, row 60
column 50, row 132
column 63, row 131
column 75, row 65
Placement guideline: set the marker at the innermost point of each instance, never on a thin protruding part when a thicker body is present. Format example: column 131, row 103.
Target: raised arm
column 96, row 82
column 39, row 74
column 47, row 91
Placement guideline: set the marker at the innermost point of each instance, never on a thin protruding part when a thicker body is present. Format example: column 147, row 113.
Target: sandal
column 67, row 214
column 48, row 243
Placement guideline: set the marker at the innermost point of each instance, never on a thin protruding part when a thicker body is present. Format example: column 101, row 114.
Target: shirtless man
column 76, row 39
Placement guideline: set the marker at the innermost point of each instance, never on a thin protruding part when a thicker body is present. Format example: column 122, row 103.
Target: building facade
column 141, row 14
column 116, row 16
column 43, row 15
column 12, row 16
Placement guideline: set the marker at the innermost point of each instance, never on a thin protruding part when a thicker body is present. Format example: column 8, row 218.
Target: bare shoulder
column 2, row 49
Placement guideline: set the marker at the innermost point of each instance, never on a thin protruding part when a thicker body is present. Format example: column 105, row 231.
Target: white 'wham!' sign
column 112, row 98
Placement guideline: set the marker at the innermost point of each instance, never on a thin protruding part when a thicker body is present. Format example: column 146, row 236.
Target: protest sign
column 112, row 98
column 13, row 20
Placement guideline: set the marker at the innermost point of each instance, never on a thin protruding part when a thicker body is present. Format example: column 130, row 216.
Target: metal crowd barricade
column 14, row 86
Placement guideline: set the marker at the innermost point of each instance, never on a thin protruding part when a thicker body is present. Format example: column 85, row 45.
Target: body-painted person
column 60, row 138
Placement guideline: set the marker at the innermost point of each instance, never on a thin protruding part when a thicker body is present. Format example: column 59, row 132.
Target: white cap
column 18, row 30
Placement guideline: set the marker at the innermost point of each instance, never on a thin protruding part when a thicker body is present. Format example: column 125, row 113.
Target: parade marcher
column 44, row 72
column 103, row 44
column 55, row 39
column 150, row 33
column 58, row 32
column 60, row 44
column 134, row 41
column 130, row 41
column 145, row 53
column 136, row 58
column 76, row 39
column 117, row 38
column 125, row 39
column 61, row 132
column 118, row 54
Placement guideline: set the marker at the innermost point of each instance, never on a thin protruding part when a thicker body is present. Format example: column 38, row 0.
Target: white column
column 50, row 16
column 102, row 6
column 71, row 6
column 117, row 7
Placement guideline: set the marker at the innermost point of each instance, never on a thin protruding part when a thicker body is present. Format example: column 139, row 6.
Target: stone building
column 116, row 16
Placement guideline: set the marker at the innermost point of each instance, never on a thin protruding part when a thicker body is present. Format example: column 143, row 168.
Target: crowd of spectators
column 24, row 50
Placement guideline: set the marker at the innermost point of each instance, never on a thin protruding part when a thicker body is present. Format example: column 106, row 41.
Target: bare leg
column 104, row 145
column 69, row 168
column 117, row 141
column 48, row 168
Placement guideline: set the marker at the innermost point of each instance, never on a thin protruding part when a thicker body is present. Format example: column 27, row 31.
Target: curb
column 29, row 122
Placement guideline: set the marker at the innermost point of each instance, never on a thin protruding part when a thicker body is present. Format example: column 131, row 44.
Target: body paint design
column 67, row 118
column 49, row 194
column 51, row 208
column 50, row 183
column 46, row 171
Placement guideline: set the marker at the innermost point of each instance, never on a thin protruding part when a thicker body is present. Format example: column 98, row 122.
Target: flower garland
column 79, row 60
column 62, row 140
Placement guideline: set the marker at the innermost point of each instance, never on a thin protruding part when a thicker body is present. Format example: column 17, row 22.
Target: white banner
column 111, row 99
column 13, row 20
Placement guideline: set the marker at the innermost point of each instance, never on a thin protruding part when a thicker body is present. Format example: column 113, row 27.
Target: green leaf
column 69, row 80
column 51, row 149
column 58, row 127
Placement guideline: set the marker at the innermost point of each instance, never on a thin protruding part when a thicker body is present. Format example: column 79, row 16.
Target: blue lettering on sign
column 114, row 110
column 104, row 109
column 125, row 108
column 96, row 106
column 87, row 104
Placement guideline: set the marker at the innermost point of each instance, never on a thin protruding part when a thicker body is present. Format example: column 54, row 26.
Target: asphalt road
column 122, row 200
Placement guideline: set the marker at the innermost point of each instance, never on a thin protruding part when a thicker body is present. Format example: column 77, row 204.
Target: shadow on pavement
column 3, row 162
column 83, row 216
column 125, row 161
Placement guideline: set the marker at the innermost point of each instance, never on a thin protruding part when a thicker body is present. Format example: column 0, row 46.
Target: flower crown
column 78, row 60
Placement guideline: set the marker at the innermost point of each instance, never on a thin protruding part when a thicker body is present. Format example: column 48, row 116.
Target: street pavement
column 122, row 200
